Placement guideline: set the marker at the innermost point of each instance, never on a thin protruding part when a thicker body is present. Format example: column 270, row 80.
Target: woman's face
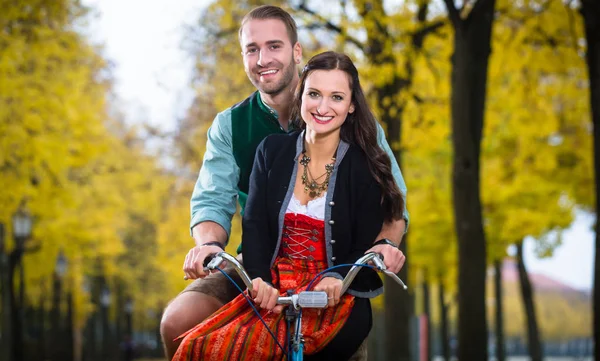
column 326, row 101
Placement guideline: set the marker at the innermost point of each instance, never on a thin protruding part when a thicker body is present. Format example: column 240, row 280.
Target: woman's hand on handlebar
column 333, row 287
column 265, row 296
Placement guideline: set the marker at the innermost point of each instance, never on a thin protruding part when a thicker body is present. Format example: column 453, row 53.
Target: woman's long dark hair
column 360, row 128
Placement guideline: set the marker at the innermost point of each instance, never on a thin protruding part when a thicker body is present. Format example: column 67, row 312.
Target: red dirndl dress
column 235, row 332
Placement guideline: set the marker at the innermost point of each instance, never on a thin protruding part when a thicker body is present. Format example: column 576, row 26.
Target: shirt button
column 331, row 222
column 333, row 258
column 332, row 241
column 332, row 203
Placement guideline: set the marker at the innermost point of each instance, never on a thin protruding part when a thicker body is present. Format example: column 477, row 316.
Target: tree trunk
column 42, row 325
column 472, row 47
column 445, row 341
column 69, row 335
column 590, row 9
column 533, row 334
column 427, row 312
column 500, row 354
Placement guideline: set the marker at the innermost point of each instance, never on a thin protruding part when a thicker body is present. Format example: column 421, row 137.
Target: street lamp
column 61, row 264
column 21, row 232
column 22, row 224
column 105, row 297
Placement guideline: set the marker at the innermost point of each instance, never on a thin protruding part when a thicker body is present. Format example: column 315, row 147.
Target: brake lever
column 214, row 262
column 378, row 261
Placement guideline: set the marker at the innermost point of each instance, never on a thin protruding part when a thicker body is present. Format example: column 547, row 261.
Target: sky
column 143, row 38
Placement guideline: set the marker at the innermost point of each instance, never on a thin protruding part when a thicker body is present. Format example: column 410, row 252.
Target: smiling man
column 271, row 53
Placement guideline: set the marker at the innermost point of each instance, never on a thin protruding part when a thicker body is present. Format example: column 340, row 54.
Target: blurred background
column 104, row 108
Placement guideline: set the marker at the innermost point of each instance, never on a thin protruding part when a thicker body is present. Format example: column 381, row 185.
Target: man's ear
column 298, row 52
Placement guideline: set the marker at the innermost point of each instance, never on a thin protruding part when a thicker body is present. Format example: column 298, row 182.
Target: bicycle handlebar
column 379, row 265
column 308, row 299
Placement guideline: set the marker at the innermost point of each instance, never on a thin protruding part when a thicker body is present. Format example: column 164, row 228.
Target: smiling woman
column 326, row 101
column 308, row 190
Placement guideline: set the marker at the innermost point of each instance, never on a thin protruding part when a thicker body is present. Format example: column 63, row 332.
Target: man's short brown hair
column 265, row 12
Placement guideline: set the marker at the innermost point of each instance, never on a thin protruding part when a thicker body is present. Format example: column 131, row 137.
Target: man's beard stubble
column 274, row 89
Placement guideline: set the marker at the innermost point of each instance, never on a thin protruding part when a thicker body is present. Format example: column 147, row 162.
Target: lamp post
column 105, row 300
column 60, row 269
column 129, row 317
column 87, row 348
column 22, row 223
column 5, row 331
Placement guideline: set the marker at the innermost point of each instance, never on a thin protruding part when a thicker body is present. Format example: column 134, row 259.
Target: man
column 271, row 53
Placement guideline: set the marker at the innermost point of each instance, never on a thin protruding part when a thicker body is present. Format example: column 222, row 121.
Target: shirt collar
column 265, row 107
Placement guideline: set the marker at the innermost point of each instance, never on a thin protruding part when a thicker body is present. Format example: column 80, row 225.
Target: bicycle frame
column 305, row 299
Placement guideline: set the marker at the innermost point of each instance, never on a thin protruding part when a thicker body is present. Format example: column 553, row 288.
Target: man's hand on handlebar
column 265, row 296
column 333, row 287
column 193, row 266
column 393, row 258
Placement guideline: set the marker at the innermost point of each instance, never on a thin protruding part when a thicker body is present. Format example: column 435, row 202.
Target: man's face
column 269, row 57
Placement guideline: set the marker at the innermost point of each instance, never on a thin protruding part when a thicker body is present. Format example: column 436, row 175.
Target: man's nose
column 264, row 58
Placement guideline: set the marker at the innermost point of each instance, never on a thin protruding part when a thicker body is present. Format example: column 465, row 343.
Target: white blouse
column 314, row 208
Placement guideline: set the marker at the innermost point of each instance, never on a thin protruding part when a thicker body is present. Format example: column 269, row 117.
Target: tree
column 534, row 117
column 591, row 15
column 472, row 47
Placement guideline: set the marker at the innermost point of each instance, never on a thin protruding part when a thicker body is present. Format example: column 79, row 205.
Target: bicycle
column 304, row 299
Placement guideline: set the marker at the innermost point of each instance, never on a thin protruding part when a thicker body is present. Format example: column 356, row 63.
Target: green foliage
column 536, row 113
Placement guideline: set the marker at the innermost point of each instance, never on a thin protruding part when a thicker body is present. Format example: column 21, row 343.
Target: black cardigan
column 353, row 215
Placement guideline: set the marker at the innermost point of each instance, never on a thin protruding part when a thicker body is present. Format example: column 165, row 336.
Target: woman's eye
column 337, row 98
column 313, row 94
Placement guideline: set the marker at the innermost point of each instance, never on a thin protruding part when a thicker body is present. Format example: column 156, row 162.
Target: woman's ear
column 351, row 109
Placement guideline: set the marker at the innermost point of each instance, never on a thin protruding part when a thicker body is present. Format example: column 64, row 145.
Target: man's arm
column 213, row 201
column 394, row 231
column 215, row 194
column 396, row 172
column 207, row 231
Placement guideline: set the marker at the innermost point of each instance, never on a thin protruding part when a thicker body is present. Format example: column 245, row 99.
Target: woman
column 317, row 198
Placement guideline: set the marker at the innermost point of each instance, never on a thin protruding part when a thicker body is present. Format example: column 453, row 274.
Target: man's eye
column 275, row 47
column 250, row 51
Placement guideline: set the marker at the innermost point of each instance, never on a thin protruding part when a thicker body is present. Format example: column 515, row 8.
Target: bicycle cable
column 338, row 266
column 300, row 311
column 255, row 311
